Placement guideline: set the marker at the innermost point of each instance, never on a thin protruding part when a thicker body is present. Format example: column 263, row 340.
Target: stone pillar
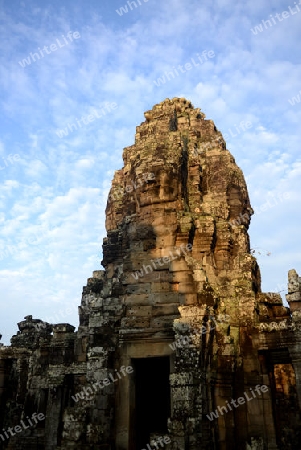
column 295, row 353
column 2, row 378
column 294, row 291
column 294, row 299
column 53, row 418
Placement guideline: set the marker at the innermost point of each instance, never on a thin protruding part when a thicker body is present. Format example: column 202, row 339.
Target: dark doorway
column 152, row 398
column 278, row 364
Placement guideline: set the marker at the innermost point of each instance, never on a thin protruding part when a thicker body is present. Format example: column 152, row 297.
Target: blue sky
column 54, row 189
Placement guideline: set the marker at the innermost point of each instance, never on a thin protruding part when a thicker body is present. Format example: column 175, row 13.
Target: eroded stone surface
column 180, row 283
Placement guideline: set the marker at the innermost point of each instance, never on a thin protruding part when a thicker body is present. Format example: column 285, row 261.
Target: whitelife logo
column 13, row 250
column 285, row 15
column 239, row 400
column 159, row 440
column 182, row 341
column 166, row 260
column 272, row 201
column 19, row 429
column 9, row 160
column 53, row 47
column 86, row 119
column 124, row 9
column 184, row 68
column 84, row 394
column 57, row 318
column 119, row 192
column 295, row 100
column 243, row 126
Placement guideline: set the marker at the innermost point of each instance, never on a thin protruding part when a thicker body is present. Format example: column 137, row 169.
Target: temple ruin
column 177, row 347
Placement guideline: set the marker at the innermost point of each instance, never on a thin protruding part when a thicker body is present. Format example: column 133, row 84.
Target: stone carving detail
column 256, row 444
column 296, row 316
column 277, row 326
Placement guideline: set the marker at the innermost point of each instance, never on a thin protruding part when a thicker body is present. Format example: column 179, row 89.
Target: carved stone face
column 196, row 191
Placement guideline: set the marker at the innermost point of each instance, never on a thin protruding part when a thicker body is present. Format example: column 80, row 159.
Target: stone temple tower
column 177, row 347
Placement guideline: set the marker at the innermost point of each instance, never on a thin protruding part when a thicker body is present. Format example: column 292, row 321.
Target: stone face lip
column 178, row 307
